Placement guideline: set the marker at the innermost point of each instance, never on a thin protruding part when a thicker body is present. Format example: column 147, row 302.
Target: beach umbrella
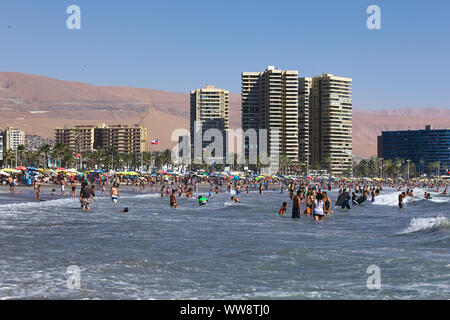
column 21, row 168
column 3, row 173
column 12, row 171
column 50, row 172
column 32, row 169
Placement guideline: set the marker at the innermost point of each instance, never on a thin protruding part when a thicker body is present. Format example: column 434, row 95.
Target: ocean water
column 224, row 250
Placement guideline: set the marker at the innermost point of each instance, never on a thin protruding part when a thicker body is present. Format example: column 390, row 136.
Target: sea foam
column 426, row 224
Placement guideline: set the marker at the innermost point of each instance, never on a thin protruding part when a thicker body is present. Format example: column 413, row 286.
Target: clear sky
column 181, row 45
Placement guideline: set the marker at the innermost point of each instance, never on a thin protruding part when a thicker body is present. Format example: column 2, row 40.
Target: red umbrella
column 21, row 168
column 60, row 169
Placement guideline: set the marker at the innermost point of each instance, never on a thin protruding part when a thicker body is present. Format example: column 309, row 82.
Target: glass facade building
column 419, row 146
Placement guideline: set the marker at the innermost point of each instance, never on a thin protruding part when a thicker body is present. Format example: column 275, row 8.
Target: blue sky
column 182, row 45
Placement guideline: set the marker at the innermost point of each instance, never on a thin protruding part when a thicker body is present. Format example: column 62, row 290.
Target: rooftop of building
column 427, row 128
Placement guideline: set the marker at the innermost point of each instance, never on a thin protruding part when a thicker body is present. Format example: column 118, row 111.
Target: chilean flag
column 155, row 141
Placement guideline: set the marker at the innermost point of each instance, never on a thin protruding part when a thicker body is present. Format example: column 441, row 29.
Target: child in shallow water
column 283, row 209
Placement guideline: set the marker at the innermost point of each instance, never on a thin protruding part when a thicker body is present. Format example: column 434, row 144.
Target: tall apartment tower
column 14, row 138
column 209, row 106
column 331, row 123
column 270, row 101
column 304, row 128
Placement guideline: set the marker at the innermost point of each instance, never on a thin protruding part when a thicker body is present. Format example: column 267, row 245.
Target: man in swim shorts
column 296, row 206
column 85, row 195
column 114, row 193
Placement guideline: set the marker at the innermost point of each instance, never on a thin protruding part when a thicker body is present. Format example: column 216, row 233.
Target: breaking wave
column 427, row 224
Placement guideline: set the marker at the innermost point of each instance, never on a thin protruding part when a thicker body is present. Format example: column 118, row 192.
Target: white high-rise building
column 14, row 138
column 270, row 101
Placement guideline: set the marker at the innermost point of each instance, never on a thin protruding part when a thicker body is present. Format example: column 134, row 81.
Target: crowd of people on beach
column 306, row 194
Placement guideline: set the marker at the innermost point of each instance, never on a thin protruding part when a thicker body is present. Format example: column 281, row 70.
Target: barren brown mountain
column 38, row 104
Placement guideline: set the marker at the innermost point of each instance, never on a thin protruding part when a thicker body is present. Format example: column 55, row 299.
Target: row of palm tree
column 62, row 156
column 375, row 167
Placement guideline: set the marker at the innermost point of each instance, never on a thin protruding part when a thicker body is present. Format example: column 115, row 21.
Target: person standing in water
column 296, row 206
column 173, row 199
column 318, row 207
column 38, row 192
column 11, row 184
column 114, row 193
column 73, row 186
column 400, row 199
column 85, row 197
column 63, row 185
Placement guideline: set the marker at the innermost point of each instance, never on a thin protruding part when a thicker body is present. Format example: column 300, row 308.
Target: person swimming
column 235, row 200
column 124, row 209
column 283, row 209
column 202, row 201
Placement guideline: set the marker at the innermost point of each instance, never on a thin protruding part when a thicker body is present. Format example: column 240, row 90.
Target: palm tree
column 8, row 155
column 285, row 163
column 45, row 150
column 167, row 158
column 20, row 153
column 62, row 153
column 421, row 165
column 388, row 166
column 398, row 164
column 432, row 166
column 148, row 160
